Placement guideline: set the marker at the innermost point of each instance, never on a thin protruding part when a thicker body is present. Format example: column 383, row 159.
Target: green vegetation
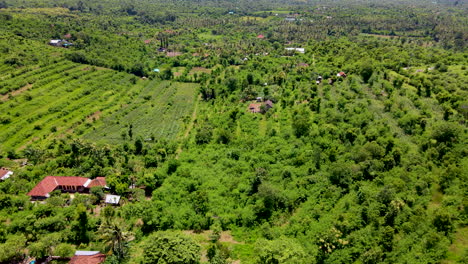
column 227, row 147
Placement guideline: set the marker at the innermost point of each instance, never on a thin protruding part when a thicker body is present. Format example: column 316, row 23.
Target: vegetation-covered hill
column 227, row 146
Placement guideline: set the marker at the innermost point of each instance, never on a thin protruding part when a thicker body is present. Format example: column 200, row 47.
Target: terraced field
column 45, row 101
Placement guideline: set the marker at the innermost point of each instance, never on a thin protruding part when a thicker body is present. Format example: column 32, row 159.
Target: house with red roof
column 87, row 257
column 260, row 36
column 65, row 184
column 5, row 173
column 341, row 74
column 255, row 107
column 260, row 107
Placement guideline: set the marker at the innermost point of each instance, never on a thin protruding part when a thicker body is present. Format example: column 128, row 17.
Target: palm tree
column 116, row 235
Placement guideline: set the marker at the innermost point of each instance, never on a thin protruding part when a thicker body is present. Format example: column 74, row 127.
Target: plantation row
column 157, row 112
column 68, row 98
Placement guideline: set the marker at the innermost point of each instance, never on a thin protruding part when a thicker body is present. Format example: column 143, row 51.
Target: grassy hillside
column 54, row 98
column 229, row 148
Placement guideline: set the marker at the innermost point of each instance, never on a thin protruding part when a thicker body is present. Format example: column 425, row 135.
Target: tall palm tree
column 116, row 235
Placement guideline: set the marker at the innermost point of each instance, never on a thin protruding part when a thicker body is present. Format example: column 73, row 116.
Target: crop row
column 39, row 79
column 30, row 115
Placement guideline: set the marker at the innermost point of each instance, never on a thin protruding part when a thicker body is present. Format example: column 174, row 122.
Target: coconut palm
column 116, row 236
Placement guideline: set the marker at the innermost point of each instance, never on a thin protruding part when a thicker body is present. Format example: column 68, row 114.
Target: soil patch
column 16, row 92
column 173, row 53
column 95, row 116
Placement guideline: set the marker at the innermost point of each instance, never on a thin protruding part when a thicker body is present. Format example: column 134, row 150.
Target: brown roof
column 255, row 107
column 99, row 181
column 3, row 172
column 93, row 259
column 50, row 183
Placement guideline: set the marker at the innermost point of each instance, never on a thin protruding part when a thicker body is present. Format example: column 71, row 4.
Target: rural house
column 341, row 74
column 87, row 257
column 5, row 173
column 65, row 184
column 260, row 107
column 59, row 43
column 255, row 107
column 55, row 42
column 300, row 50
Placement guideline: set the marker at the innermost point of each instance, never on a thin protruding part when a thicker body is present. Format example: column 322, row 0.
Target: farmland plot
column 159, row 111
column 45, row 102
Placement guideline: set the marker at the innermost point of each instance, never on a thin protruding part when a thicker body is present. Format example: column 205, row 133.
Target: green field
column 66, row 99
column 158, row 111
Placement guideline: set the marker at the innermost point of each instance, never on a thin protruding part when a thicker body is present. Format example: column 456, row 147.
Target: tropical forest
column 233, row 131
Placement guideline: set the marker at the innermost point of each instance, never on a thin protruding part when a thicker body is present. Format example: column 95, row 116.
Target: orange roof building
column 5, row 173
column 65, row 184
column 87, row 257
column 255, row 107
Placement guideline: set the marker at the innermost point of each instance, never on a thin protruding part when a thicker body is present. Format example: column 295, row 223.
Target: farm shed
column 112, row 199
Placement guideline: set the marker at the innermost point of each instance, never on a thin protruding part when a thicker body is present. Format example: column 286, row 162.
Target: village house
column 341, row 74
column 55, row 42
column 65, row 184
column 5, row 174
column 300, row 50
column 59, row 43
column 87, row 257
column 319, row 79
column 259, row 107
column 254, row 107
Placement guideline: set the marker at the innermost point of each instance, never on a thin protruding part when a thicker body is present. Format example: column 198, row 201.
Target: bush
column 169, row 247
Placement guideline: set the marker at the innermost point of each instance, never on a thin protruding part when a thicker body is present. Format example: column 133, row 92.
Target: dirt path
column 189, row 126
column 194, row 116
column 16, row 92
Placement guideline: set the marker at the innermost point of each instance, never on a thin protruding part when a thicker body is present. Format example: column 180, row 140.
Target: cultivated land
column 224, row 146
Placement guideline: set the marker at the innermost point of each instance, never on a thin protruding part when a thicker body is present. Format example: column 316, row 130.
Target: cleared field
column 160, row 110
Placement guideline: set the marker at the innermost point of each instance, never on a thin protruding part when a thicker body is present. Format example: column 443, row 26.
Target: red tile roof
column 93, row 259
column 99, row 181
column 255, row 107
column 50, row 183
column 3, row 172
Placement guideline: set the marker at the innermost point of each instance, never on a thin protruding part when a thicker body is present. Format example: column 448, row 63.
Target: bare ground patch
column 95, row 116
column 16, row 92
column 173, row 53
column 199, row 69
column 28, row 143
